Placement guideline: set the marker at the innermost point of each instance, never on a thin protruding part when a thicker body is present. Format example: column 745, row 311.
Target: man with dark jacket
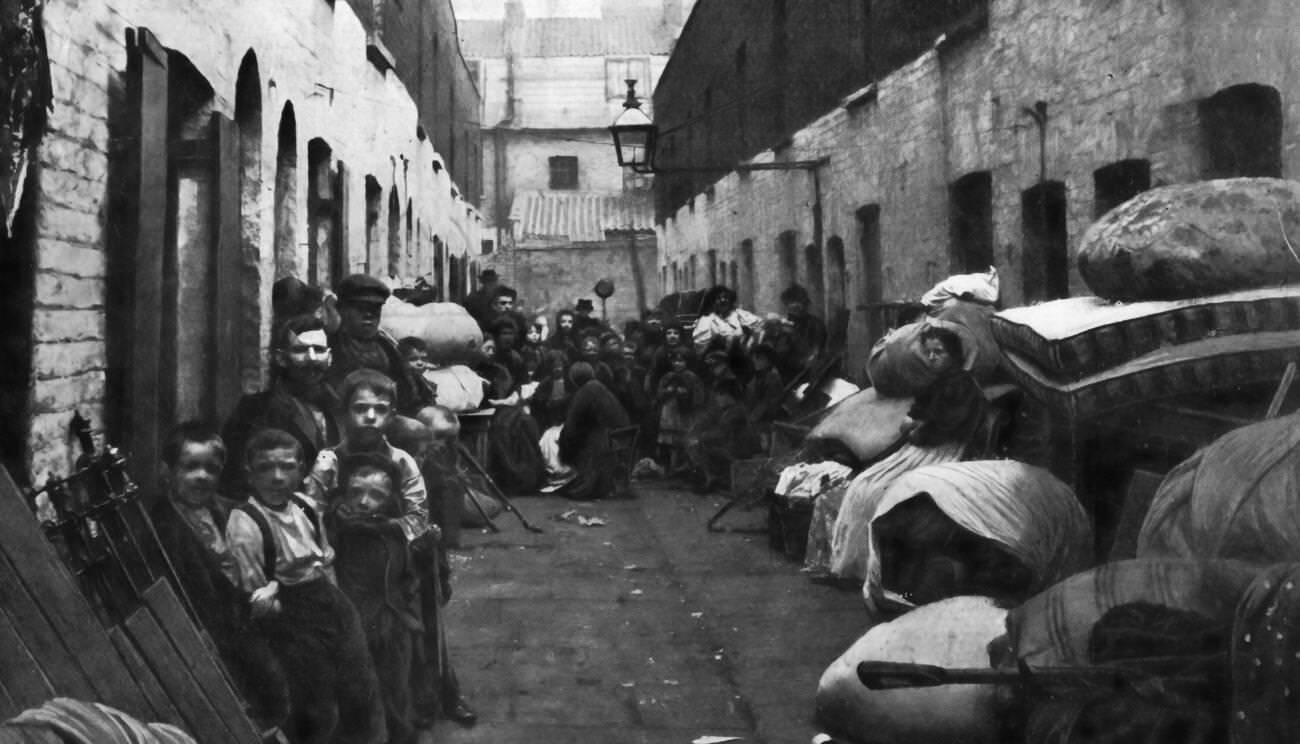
column 298, row 401
column 479, row 302
column 359, row 344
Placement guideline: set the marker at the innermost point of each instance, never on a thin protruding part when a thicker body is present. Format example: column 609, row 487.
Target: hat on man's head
column 292, row 296
column 487, row 275
column 362, row 289
column 584, row 304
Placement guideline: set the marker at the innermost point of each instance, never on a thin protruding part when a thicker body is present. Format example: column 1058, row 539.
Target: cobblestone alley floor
column 647, row 630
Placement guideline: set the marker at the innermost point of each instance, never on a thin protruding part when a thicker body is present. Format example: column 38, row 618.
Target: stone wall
column 551, row 278
column 310, row 55
column 1121, row 80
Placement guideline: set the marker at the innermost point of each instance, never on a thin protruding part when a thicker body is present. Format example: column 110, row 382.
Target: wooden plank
column 147, row 87
column 202, row 664
column 48, row 582
column 20, row 673
column 157, row 651
column 163, row 709
column 47, row 645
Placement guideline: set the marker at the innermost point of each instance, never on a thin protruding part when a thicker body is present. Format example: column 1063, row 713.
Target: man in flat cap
column 358, row 343
column 583, row 322
column 479, row 302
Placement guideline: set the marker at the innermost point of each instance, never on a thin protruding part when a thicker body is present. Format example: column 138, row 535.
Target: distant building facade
column 995, row 143
column 552, row 75
column 194, row 153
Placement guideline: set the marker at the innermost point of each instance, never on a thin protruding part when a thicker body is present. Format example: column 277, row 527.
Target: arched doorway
column 286, row 194
column 396, row 269
column 816, row 277
column 248, row 119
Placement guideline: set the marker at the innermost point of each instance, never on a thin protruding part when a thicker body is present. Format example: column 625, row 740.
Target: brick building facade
column 194, row 153
column 997, row 145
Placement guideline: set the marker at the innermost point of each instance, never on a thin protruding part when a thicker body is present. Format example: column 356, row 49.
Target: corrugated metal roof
column 634, row 32
column 580, row 216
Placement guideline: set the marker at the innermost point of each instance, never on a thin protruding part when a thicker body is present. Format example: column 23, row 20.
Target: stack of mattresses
column 1086, row 356
column 1211, row 282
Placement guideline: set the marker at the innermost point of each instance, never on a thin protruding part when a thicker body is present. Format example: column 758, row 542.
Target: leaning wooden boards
column 155, row 667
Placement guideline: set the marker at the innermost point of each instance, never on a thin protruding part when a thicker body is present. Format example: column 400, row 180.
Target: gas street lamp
column 634, row 134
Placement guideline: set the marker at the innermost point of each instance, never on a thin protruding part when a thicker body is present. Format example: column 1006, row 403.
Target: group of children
column 324, row 580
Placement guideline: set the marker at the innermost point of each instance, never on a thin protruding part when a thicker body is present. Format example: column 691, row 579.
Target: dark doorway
column 1046, row 260
column 17, row 299
column 1242, row 130
column 749, row 281
column 816, row 278
column 871, row 286
column 320, row 207
column 788, row 250
column 971, row 204
column 1114, row 184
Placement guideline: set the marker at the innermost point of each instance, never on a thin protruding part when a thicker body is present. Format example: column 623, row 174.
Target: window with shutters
column 564, row 171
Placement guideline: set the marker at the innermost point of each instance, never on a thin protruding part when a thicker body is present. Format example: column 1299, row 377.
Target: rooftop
column 580, row 216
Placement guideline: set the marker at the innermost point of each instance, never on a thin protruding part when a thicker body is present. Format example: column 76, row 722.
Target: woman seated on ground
column 721, row 435
column 942, row 419
column 584, row 440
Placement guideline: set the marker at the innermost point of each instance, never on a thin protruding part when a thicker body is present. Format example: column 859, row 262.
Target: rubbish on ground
column 697, row 614
column 584, row 520
column 628, row 684
column 636, row 592
column 647, row 469
column 714, row 739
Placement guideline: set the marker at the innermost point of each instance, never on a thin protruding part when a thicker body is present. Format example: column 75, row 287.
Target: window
column 618, row 70
column 816, row 280
column 486, row 246
column 789, row 253
column 871, row 290
column 971, row 203
column 564, row 171
column 1242, row 127
column 1046, row 260
column 1114, row 184
column 713, row 267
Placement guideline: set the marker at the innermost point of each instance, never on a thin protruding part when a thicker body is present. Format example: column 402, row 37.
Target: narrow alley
column 647, row 629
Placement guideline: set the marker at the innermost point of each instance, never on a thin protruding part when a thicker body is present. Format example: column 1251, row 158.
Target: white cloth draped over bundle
column 1026, row 510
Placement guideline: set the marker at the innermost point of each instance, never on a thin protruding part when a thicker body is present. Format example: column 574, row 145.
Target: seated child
column 764, row 391
column 722, row 434
column 680, row 394
column 283, row 561
column 376, row 572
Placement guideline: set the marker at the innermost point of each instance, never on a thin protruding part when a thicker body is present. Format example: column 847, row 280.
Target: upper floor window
column 564, row 172
column 618, row 70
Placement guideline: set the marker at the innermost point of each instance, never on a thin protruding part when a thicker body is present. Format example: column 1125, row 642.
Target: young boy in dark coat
column 375, row 571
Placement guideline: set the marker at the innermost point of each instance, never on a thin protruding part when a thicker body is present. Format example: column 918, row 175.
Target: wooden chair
column 623, row 449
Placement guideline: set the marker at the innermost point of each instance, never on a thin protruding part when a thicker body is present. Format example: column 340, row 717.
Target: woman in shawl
column 584, row 440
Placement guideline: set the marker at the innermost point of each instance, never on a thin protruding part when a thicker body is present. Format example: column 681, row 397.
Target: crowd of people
column 701, row 395
column 307, row 531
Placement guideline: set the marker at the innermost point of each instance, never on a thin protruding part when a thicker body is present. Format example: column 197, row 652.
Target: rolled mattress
column 1210, row 364
column 1073, row 338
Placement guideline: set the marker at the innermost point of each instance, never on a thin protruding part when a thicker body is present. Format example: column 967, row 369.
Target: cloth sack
column 1195, row 239
column 459, row 387
column 866, row 423
column 1055, row 627
column 1238, row 498
column 983, row 288
column 80, row 722
column 953, row 633
column 1025, row 509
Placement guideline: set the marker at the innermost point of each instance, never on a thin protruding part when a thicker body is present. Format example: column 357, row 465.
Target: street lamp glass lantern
column 634, row 134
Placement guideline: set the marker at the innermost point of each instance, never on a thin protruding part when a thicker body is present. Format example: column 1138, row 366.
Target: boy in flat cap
column 360, row 344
